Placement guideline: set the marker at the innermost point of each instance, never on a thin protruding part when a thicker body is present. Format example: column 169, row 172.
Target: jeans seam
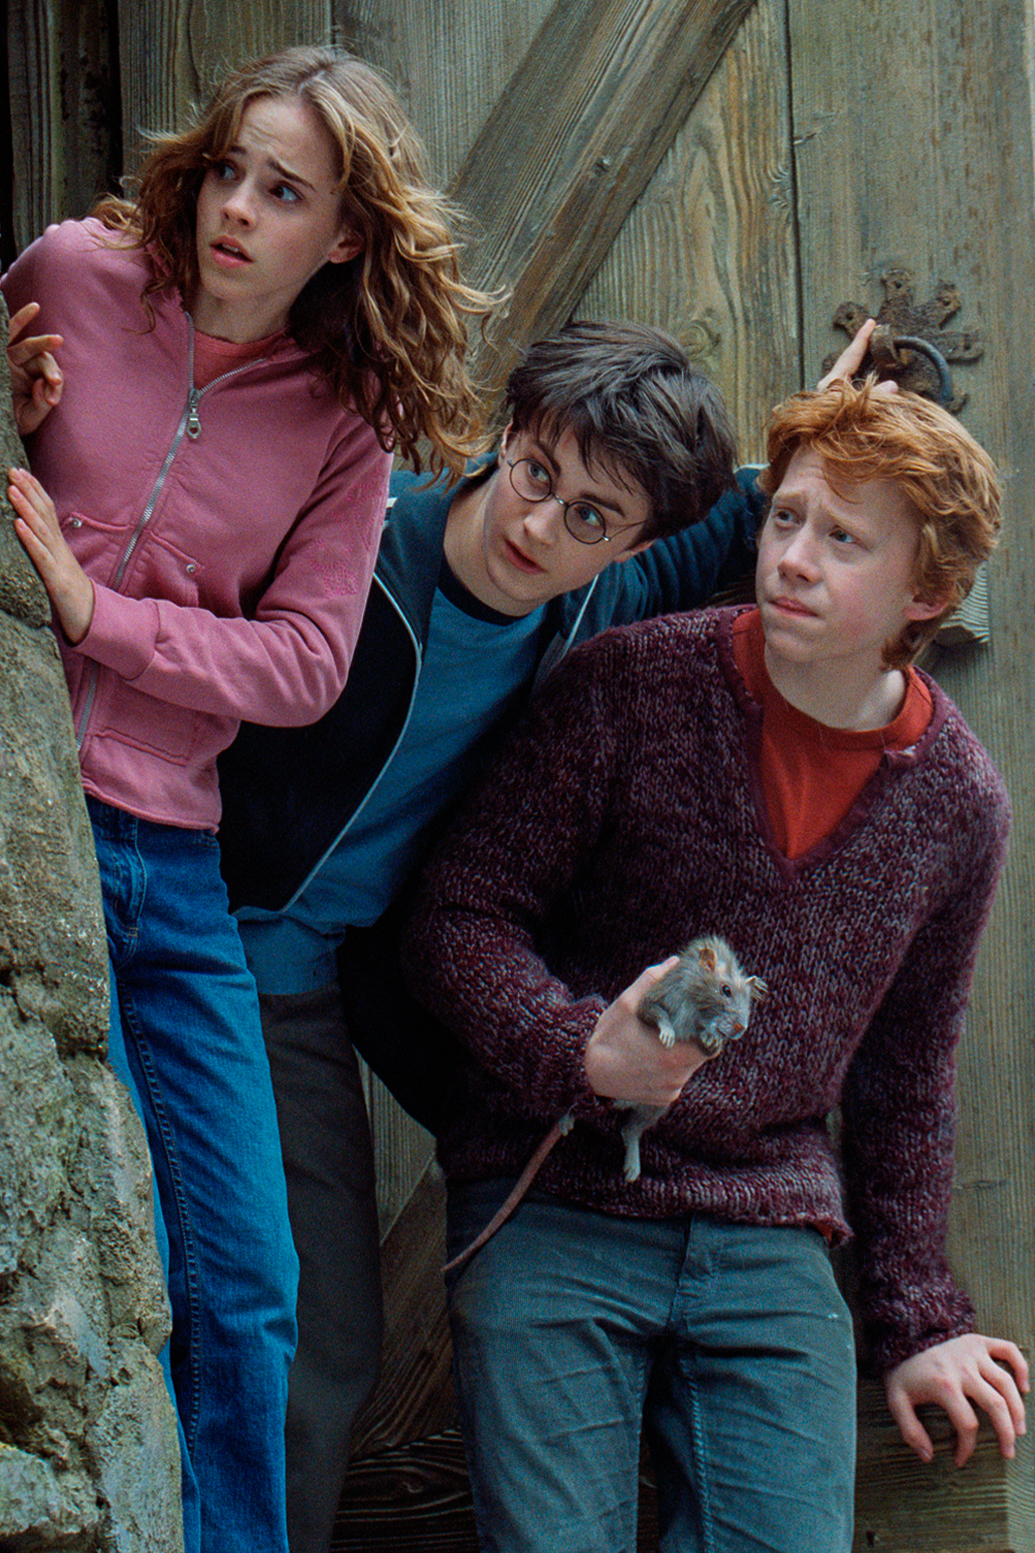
column 700, row 1473
column 190, row 1261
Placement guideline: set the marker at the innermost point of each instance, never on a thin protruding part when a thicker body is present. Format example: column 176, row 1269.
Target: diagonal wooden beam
column 576, row 138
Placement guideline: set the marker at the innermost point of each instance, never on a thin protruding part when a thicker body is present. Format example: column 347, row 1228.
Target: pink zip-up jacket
column 230, row 534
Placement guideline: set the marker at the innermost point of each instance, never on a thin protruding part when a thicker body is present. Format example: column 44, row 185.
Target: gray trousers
column 329, row 1163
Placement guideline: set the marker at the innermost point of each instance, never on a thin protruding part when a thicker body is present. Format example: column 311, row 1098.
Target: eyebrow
column 598, row 501
column 274, row 166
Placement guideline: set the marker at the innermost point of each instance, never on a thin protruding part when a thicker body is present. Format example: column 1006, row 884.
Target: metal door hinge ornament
column 910, row 343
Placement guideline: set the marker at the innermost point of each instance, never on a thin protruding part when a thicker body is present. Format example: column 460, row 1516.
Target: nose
column 542, row 519
column 238, row 204
column 798, row 556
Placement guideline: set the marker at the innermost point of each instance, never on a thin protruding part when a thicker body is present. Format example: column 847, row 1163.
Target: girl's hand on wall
column 36, row 379
column 36, row 524
column 964, row 1375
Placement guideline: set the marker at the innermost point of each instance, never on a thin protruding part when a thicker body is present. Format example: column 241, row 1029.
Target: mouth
column 520, row 560
column 229, row 251
column 786, row 605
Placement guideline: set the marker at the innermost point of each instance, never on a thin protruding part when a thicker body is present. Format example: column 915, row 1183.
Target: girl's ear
column 348, row 245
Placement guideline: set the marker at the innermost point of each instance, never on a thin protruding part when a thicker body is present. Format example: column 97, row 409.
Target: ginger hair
column 946, row 476
column 388, row 329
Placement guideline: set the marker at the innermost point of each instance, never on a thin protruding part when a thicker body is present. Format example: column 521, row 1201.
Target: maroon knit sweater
column 625, row 818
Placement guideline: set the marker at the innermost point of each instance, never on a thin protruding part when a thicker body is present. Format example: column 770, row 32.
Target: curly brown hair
column 387, row 329
column 947, row 478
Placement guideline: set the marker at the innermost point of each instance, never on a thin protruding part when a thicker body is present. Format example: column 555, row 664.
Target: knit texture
column 625, row 818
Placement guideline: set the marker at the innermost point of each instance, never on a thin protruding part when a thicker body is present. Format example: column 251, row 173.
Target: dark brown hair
column 637, row 407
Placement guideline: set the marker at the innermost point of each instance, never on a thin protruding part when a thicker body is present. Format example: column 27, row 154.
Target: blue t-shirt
column 475, row 661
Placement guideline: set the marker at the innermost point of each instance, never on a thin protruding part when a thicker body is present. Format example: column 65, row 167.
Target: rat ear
column 706, row 955
column 757, row 988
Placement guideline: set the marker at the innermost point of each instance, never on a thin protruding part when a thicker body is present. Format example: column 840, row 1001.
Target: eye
column 587, row 519
column 538, row 476
column 223, row 170
column 726, row 990
column 782, row 518
column 841, row 536
column 285, row 193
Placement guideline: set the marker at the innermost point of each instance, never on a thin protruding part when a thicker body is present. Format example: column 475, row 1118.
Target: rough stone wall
column 89, row 1459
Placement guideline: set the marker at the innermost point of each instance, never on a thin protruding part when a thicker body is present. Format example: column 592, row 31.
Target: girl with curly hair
column 244, row 344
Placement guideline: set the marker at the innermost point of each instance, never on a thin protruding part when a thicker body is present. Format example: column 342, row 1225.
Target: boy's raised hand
column 624, row 1058
column 36, row 379
column 962, row 1375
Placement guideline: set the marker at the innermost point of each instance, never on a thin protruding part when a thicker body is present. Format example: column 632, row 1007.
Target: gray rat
column 706, row 998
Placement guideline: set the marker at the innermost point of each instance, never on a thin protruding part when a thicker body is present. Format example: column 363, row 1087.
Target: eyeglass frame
column 551, row 495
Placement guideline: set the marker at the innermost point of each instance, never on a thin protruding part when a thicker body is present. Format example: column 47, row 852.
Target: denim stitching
column 700, row 1472
column 190, row 1259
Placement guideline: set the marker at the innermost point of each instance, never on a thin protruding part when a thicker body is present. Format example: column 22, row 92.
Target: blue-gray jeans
column 187, row 1042
column 728, row 1344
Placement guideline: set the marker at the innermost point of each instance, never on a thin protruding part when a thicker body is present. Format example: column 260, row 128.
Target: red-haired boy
column 782, row 776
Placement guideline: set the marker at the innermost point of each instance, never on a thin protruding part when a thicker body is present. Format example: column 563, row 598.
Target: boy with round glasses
column 611, row 498
column 782, row 776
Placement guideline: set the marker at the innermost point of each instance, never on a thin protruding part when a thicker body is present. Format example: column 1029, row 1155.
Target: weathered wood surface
column 708, row 252
column 574, row 141
column 914, row 142
column 64, row 117
column 824, row 144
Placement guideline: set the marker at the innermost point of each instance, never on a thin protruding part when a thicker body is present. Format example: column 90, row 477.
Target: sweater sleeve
column 469, row 950
column 899, row 1116
column 286, row 663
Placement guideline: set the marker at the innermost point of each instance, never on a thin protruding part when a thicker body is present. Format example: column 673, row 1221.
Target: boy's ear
column 505, row 438
column 627, row 555
column 925, row 609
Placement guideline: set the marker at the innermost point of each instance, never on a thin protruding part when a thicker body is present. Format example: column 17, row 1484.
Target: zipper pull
column 193, row 418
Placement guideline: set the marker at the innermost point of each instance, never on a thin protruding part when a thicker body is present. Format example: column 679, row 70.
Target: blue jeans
column 187, row 1042
column 729, row 1344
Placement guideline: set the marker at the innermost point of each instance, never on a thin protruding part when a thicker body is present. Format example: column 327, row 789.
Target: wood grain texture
column 450, row 60
column 173, row 52
column 575, row 139
column 414, row 1397
column 65, row 129
column 708, row 251
column 914, row 143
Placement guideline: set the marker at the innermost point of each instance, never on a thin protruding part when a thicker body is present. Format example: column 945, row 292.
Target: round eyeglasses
column 533, row 483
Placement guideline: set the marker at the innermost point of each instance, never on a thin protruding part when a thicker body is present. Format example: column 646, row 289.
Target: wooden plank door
column 732, row 172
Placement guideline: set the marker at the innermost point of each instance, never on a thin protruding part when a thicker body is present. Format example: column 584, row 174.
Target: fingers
column 967, row 1377
column 634, row 993
column 21, row 320
column 30, row 500
column 851, row 358
column 909, row 1426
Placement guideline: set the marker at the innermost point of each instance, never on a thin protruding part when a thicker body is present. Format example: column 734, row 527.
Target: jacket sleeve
column 899, row 1117
column 685, row 570
column 286, row 663
column 469, row 950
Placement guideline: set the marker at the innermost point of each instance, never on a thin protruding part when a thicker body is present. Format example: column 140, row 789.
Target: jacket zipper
column 190, row 422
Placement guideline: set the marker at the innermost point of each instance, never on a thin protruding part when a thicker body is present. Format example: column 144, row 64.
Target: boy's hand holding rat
column 36, row 524
column 624, row 1059
column 961, row 1375
column 36, row 379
